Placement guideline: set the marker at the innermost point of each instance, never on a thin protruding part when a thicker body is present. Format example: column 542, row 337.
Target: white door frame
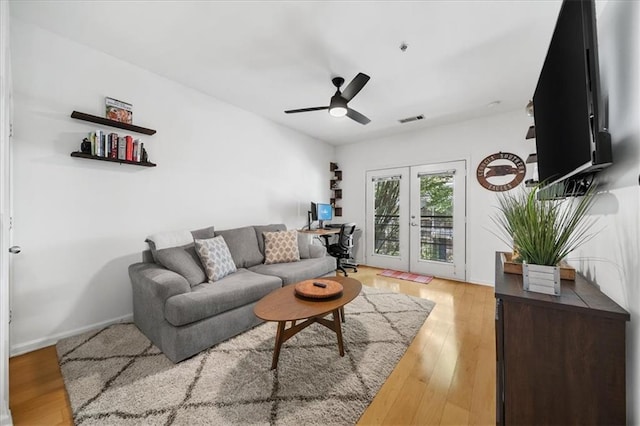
column 377, row 260
column 403, row 261
column 455, row 270
column 5, row 209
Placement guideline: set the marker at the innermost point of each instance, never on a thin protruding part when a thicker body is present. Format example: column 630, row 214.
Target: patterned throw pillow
column 215, row 257
column 281, row 247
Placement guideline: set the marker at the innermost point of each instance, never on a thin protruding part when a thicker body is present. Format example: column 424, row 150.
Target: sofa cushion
column 281, row 247
column 316, row 250
column 176, row 252
column 243, row 245
column 216, row 258
column 261, row 229
column 184, row 261
column 294, row 272
column 303, row 245
column 209, row 299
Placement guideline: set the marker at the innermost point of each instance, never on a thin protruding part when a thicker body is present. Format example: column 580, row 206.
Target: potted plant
column 543, row 232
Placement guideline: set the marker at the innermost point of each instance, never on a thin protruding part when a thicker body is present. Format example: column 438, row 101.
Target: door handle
column 414, row 224
column 15, row 249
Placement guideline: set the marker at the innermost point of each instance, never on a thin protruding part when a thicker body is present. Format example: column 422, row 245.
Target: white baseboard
column 485, row 283
column 5, row 417
column 33, row 345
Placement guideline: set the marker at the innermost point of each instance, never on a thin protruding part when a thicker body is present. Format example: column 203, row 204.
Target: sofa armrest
column 152, row 285
column 157, row 281
column 317, row 251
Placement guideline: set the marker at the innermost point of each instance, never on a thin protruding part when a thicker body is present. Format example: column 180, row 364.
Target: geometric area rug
column 408, row 276
column 116, row 376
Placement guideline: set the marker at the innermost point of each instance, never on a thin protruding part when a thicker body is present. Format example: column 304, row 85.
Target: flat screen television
column 571, row 139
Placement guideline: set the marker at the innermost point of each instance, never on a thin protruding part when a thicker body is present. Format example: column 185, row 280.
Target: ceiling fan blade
column 355, row 86
column 356, row 116
column 292, row 111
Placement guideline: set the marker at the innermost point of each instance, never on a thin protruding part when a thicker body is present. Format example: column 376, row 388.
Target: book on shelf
column 92, row 141
column 103, row 144
column 113, row 145
column 117, row 147
column 122, row 148
column 129, row 152
column 99, row 142
column 137, row 150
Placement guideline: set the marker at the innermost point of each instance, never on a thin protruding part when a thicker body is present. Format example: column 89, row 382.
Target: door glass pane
column 436, row 217
column 386, row 216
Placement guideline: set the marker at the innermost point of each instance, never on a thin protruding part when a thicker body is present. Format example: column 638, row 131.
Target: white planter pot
column 541, row 279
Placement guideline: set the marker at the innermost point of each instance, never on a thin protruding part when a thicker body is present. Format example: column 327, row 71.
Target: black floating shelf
column 532, row 158
column 531, row 133
column 111, row 123
column 79, row 154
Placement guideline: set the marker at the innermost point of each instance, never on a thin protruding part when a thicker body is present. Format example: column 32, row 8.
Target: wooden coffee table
column 283, row 305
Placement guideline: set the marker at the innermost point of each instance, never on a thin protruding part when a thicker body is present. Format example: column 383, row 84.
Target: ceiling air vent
column 410, row 119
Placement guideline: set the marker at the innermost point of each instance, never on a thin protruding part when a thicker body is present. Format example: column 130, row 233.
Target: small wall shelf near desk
column 112, row 123
column 334, row 186
column 79, row 154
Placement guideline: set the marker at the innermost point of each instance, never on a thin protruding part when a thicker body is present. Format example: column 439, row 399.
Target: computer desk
column 326, row 234
column 322, row 232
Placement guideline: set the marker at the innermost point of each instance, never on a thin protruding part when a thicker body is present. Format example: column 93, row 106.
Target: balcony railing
column 436, row 236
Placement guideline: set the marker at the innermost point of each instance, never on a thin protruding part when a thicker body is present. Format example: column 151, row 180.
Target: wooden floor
column 447, row 376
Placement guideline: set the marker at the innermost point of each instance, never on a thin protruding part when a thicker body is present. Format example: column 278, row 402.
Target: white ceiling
column 269, row 56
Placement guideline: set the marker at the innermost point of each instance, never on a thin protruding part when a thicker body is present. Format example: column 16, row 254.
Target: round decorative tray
column 307, row 289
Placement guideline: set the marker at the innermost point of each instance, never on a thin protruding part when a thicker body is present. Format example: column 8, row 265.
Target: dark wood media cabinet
column 560, row 359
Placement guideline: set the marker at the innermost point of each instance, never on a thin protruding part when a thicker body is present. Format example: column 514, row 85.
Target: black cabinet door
column 499, row 364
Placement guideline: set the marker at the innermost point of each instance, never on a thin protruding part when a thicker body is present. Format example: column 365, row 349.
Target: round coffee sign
column 501, row 172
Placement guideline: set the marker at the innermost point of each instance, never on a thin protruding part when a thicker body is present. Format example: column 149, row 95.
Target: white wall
column 81, row 222
column 470, row 140
column 612, row 259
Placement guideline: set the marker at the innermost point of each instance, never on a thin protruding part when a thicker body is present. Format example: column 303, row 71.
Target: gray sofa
column 182, row 313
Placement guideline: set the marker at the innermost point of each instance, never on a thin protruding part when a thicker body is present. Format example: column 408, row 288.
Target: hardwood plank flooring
column 36, row 390
column 447, row 375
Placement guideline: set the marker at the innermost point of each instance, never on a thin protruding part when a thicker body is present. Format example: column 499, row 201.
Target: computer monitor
column 313, row 212
column 320, row 212
column 324, row 212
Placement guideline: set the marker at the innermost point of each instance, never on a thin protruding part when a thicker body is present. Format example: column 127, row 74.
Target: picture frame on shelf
column 118, row 110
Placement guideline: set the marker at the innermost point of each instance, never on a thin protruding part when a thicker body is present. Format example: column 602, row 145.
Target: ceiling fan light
column 338, row 111
column 337, row 106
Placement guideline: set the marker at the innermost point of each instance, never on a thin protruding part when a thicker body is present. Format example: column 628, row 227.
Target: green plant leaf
column 544, row 232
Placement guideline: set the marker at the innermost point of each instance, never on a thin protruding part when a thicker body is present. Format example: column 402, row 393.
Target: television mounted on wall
column 571, row 139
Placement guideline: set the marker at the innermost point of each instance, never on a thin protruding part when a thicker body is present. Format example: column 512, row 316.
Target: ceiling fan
column 338, row 105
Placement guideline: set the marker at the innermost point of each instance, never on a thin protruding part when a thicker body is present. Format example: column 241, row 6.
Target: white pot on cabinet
column 541, row 278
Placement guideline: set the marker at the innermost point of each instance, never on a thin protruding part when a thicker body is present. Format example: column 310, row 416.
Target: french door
column 416, row 219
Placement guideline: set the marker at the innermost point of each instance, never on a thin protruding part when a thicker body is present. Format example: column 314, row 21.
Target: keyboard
column 333, row 226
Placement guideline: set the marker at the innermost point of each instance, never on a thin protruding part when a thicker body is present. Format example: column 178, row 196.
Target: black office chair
column 342, row 250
